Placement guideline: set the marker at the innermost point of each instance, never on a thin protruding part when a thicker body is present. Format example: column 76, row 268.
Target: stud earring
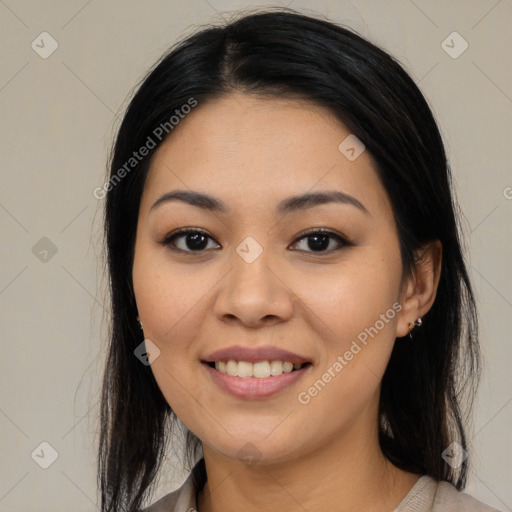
column 414, row 324
column 138, row 320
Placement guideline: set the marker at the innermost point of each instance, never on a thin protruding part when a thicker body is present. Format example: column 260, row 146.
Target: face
column 259, row 275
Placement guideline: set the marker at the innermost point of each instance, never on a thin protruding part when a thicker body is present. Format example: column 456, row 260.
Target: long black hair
column 280, row 52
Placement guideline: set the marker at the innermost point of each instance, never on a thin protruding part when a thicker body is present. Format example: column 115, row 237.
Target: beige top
column 426, row 495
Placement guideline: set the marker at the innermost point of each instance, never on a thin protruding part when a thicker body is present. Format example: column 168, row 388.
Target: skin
column 251, row 153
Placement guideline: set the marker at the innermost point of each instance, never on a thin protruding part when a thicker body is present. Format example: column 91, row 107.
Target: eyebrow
column 288, row 205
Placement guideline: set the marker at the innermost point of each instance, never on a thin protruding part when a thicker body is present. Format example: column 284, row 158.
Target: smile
column 260, row 369
column 257, row 380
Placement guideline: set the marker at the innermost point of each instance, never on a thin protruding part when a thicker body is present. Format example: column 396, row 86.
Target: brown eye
column 320, row 239
column 193, row 240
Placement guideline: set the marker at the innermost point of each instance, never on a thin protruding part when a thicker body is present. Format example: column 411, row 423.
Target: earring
column 412, row 325
column 138, row 320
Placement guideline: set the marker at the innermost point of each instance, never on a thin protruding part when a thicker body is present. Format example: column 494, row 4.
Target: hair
column 283, row 53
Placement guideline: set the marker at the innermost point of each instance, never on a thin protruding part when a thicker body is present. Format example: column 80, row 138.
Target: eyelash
column 168, row 241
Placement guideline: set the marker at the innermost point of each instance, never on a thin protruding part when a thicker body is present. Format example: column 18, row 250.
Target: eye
column 195, row 240
column 319, row 240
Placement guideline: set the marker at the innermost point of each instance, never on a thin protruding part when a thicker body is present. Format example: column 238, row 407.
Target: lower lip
column 253, row 387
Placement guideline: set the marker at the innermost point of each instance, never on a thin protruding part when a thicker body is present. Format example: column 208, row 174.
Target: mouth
column 259, row 380
column 258, row 370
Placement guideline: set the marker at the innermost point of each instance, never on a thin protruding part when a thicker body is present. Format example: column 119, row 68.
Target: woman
column 287, row 281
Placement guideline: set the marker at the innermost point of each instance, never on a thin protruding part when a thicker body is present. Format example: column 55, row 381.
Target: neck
column 347, row 473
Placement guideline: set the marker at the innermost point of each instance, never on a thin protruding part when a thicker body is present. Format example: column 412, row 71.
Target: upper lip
column 255, row 354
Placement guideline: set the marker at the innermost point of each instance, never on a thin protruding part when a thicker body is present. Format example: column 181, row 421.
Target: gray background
column 59, row 115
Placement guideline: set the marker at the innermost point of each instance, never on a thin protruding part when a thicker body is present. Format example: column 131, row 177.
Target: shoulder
column 165, row 504
column 184, row 498
column 449, row 498
column 180, row 500
column 429, row 495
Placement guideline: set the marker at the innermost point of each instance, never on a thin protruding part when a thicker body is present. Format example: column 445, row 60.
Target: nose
column 254, row 293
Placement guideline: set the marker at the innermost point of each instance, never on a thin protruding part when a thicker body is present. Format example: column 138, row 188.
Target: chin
column 257, row 450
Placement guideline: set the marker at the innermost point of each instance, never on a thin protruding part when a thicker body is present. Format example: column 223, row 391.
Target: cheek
column 169, row 298
column 352, row 296
column 173, row 305
column 354, row 358
column 355, row 309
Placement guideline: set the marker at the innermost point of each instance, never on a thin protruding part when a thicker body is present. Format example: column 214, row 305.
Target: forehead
column 247, row 149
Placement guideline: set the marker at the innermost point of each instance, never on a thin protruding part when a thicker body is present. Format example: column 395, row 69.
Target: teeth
column 260, row 370
column 276, row 368
column 231, row 368
column 287, row 367
column 244, row 369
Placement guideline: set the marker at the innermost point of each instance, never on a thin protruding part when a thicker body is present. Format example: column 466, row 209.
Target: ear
column 419, row 290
